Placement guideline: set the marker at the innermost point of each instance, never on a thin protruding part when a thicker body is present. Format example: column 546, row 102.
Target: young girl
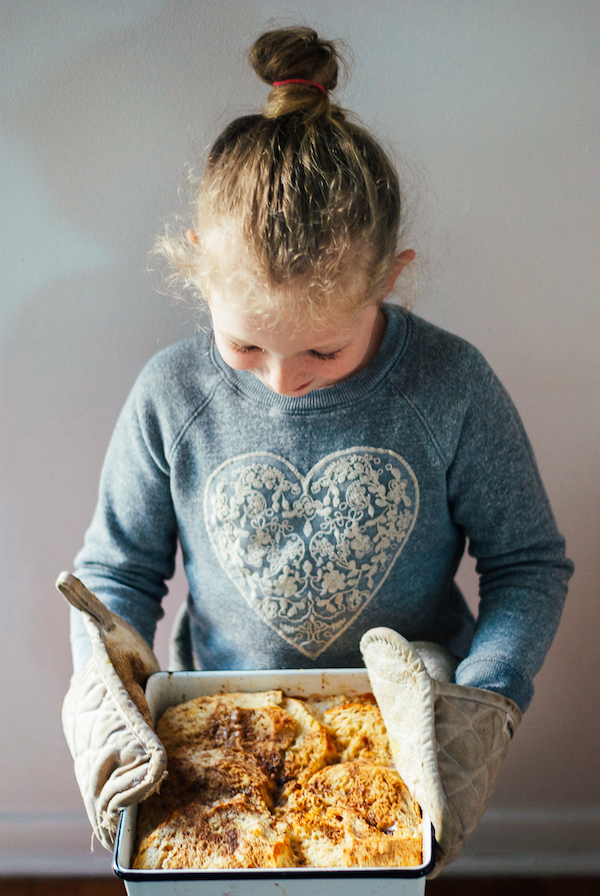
column 321, row 457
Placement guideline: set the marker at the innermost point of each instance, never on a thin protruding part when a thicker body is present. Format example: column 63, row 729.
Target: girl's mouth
column 305, row 386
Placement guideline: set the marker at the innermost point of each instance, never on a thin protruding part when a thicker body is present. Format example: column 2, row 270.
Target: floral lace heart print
column 309, row 553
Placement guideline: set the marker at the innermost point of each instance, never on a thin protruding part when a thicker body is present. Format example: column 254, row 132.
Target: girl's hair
column 301, row 197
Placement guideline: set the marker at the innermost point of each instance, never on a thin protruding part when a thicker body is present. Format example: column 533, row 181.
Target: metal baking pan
column 171, row 688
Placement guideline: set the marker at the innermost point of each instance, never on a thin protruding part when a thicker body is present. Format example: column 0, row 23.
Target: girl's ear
column 400, row 263
column 192, row 237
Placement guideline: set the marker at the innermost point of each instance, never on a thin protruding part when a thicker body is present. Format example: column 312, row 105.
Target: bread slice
column 359, row 732
column 229, row 834
column 251, row 723
column 354, row 814
column 311, row 749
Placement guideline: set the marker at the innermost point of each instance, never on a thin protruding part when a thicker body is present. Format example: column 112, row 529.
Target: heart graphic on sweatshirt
column 309, row 553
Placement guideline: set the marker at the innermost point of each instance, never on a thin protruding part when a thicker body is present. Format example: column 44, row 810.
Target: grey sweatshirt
column 306, row 521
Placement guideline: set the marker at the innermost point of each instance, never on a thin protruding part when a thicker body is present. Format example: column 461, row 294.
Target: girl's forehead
column 247, row 327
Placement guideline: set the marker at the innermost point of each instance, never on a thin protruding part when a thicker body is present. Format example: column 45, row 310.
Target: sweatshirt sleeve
column 496, row 496
column 129, row 548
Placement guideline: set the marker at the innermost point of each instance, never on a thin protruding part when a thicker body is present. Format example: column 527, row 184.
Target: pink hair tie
column 300, row 81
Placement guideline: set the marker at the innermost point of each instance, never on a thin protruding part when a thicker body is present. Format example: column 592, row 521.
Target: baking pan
column 171, row 688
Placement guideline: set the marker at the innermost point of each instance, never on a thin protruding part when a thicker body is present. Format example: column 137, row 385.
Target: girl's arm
column 497, row 497
column 129, row 549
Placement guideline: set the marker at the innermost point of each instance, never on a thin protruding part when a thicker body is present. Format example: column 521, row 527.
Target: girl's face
column 293, row 360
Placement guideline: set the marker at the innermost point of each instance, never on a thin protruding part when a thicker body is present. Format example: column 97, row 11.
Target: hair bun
column 295, row 52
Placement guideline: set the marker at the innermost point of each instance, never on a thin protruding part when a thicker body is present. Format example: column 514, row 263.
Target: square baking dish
column 171, row 688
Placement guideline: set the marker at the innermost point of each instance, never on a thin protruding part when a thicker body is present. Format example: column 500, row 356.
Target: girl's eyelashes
column 321, row 357
column 246, row 349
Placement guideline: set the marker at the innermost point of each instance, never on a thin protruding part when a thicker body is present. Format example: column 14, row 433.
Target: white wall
column 495, row 105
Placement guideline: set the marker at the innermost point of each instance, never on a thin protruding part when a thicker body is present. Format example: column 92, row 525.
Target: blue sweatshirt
column 306, row 521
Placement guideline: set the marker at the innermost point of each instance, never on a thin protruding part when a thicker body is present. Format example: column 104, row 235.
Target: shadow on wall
column 95, row 134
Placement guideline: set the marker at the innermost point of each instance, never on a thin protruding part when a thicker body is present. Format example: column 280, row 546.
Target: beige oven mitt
column 448, row 740
column 118, row 758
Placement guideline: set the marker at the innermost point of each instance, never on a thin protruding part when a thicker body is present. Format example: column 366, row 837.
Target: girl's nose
column 284, row 376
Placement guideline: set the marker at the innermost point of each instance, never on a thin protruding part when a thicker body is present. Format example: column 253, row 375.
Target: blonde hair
column 302, row 196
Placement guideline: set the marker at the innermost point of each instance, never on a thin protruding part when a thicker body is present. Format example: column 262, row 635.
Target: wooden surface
column 514, row 886
column 511, row 886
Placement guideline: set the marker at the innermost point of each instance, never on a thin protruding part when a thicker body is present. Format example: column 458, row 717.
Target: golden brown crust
column 339, row 838
column 359, row 732
column 351, row 814
column 238, row 721
column 215, row 775
column 311, row 749
column 264, row 780
column 232, row 834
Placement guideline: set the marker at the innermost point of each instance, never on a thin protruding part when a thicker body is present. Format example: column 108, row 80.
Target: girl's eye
column 321, row 357
column 244, row 349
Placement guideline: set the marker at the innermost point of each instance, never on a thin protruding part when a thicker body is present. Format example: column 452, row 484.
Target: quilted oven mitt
column 448, row 740
column 118, row 758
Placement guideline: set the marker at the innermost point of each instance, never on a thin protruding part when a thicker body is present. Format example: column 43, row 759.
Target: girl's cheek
column 339, row 367
column 241, row 361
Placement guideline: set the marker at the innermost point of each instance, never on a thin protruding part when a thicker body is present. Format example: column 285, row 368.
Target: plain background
column 492, row 106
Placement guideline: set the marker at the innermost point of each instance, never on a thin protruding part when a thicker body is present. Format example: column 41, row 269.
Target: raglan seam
column 170, row 455
column 426, row 426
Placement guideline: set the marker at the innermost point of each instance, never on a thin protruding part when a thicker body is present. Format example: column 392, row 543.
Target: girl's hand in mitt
column 118, row 758
column 448, row 741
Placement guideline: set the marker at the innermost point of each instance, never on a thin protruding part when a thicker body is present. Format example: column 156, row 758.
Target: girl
column 322, row 457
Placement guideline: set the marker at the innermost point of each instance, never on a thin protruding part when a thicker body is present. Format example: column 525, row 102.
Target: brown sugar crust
column 251, row 723
column 354, row 814
column 265, row 780
column 216, row 775
column 214, row 811
column 228, row 834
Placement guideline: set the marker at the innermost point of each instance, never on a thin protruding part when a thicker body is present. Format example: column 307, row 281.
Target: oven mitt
column 118, row 758
column 447, row 740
